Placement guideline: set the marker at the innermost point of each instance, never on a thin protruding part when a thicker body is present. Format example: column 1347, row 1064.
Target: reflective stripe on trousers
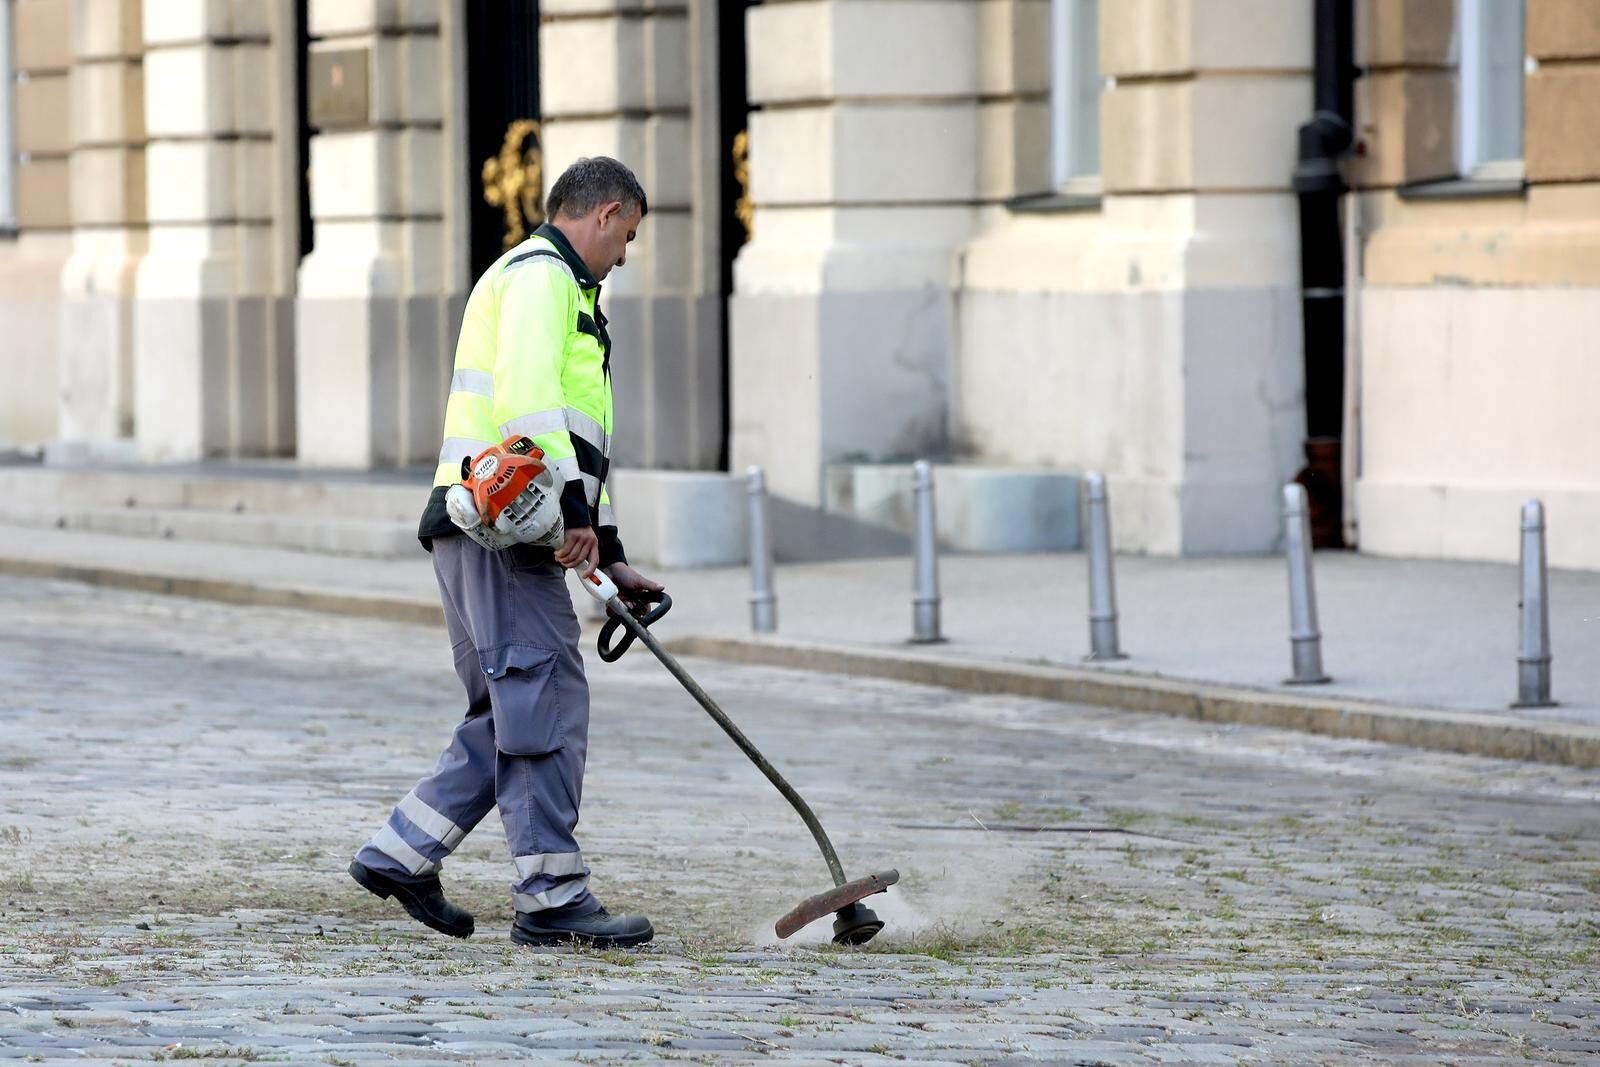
column 490, row 603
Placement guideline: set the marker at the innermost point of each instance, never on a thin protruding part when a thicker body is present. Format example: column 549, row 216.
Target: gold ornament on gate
column 743, row 209
column 513, row 180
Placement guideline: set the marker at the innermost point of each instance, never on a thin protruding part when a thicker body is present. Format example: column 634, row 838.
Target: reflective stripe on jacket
column 534, row 358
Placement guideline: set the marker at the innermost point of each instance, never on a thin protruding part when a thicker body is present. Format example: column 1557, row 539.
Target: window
column 1075, row 93
column 1489, row 135
column 8, row 154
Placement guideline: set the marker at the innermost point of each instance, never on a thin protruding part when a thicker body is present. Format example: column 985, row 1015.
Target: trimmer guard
column 837, row 899
column 853, row 924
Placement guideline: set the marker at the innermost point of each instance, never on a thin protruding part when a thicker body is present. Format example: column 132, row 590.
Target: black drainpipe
column 1317, row 181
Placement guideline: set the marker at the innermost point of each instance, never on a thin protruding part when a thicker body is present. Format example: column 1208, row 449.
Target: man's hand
column 581, row 549
column 631, row 581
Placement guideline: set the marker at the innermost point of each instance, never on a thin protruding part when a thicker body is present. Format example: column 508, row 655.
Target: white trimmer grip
column 599, row 585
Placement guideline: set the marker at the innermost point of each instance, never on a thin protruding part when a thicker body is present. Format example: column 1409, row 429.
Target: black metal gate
column 737, row 211
column 302, row 52
column 504, row 153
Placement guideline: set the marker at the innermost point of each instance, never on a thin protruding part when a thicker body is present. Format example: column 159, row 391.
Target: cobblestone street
column 182, row 784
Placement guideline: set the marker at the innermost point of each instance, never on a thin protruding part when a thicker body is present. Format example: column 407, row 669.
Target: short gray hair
column 593, row 181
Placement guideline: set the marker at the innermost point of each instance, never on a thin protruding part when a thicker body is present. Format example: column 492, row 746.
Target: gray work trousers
column 522, row 744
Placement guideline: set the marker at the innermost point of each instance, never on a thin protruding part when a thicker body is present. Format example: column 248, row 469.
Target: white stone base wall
column 836, row 377
column 667, row 388
column 976, row 509
column 95, row 372
column 376, row 393
column 1189, row 401
column 220, row 380
column 1474, row 400
column 30, row 326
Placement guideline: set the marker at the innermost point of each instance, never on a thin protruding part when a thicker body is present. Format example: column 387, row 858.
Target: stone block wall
column 1477, row 317
column 214, row 316
column 1563, row 93
column 380, row 294
column 869, row 164
column 35, row 235
column 1014, row 98
column 109, row 237
column 42, row 60
column 1406, row 101
column 1156, row 336
column 638, row 82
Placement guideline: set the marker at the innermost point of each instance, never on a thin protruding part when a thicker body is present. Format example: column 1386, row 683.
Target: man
column 533, row 358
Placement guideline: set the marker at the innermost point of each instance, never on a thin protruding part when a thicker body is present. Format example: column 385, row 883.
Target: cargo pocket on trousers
column 525, row 698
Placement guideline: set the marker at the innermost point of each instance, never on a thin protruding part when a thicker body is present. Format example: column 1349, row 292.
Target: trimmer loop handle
column 646, row 606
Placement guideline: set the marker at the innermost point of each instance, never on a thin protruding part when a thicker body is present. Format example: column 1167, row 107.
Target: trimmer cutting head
column 853, row 924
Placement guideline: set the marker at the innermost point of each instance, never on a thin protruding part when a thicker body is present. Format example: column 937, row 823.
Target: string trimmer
column 854, row 923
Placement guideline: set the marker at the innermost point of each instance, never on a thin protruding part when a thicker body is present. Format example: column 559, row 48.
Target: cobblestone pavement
column 182, row 783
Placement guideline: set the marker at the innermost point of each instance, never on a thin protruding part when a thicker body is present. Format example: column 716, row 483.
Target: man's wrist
column 575, row 511
column 610, row 546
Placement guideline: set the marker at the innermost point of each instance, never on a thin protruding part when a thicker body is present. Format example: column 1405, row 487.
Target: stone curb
column 228, row 591
column 1465, row 732
column 1468, row 733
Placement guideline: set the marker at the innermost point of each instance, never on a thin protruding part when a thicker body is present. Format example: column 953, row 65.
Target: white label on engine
column 486, row 467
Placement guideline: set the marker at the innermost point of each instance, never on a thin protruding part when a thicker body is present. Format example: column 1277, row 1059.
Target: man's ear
column 609, row 211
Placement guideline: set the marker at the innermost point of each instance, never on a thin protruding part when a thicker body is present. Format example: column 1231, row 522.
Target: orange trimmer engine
column 508, row 495
column 498, row 475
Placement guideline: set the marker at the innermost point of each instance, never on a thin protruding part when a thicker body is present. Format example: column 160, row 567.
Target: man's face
column 614, row 231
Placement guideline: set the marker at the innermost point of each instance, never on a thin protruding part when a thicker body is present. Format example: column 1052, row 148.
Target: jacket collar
column 580, row 270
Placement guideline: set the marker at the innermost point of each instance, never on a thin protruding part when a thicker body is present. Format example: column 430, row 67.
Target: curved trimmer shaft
column 730, row 728
column 854, row 925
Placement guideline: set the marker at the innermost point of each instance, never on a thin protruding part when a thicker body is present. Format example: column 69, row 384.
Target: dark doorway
column 302, row 53
column 504, row 157
column 737, row 210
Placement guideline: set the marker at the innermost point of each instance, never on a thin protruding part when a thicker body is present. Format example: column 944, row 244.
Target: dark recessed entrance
column 737, row 209
column 504, row 157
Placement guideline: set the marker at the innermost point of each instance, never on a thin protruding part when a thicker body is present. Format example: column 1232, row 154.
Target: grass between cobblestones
column 176, row 813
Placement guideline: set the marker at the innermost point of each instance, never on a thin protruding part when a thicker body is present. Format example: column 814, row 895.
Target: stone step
column 391, row 539
column 668, row 518
column 267, row 489
column 977, row 509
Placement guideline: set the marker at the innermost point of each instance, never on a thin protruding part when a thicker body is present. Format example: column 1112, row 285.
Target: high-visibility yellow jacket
column 534, row 358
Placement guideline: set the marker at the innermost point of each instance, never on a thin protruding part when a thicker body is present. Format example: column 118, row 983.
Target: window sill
column 1053, row 203
column 1464, row 189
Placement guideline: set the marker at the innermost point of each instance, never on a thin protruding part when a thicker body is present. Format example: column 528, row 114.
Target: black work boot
column 424, row 901
column 598, row 928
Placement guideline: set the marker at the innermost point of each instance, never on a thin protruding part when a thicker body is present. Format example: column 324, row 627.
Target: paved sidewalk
column 1399, row 632
column 182, row 782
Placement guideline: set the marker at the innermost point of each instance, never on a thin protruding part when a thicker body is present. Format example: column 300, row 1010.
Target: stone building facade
column 1022, row 236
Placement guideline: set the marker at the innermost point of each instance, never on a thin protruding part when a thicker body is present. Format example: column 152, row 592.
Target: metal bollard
column 1102, row 585
column 763, row 600
column 1305, row 639
column 925, row 568
column 1533, row 658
